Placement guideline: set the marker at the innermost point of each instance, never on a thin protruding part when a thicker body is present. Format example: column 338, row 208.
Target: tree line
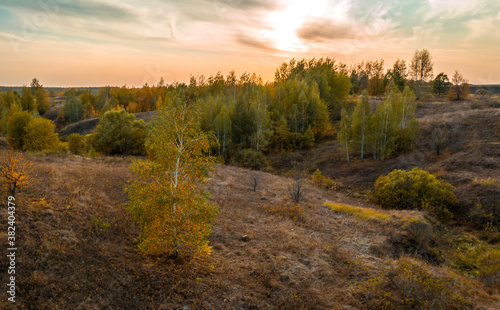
column 308, row 100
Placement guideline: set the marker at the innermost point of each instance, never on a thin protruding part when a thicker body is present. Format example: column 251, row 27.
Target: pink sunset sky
column 132, row 42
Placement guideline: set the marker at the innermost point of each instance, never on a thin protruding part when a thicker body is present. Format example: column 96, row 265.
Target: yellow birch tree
column 164, row 197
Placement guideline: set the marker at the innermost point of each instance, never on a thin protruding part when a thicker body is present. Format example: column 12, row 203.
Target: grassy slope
column 297, row 258
column 471, row 154
column 67, row 261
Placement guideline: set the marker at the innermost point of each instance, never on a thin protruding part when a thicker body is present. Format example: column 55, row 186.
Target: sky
column 133, row 42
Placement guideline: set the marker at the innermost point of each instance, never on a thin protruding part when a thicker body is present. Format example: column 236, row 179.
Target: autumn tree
column 440, row 84
column 421, row 69
column 40, row 135
column 398, row 74
column 165, row 200
column 89, row 104
column 15, row 171
column 16, row 129
column 376, row 82
column 460, row 88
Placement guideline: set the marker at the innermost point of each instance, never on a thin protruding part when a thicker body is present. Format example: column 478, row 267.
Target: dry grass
column 366, row 214
column 77, row 245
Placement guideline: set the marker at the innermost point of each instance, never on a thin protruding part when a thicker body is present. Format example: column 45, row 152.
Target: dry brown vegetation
column 77, row 246
column 77, row 243
column 470, row 151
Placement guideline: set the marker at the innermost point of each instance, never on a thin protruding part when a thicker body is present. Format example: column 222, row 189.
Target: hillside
column 77, row 243
column 87, row 126
column 470, row 154
column 307, row 257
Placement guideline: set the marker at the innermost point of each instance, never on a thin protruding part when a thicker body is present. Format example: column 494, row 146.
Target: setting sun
column 284, row 25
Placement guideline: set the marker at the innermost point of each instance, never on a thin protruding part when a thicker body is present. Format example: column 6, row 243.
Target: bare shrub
column 296, row 188
column 255, row 180
column 438, row 138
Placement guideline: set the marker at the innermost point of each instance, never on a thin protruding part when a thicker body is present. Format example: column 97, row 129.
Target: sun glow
column 284, row 25
column 285, row 22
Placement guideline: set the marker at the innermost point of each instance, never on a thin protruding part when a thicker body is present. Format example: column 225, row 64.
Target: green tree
column 261, row 121
column 361, row 121
column 40, row 135
column 73, row 110
column 27, row 99
column 76, row 144
column 344, row 135
column 16, row 129
column 308, row 138
column 399, row 74
column 42, row 101
column 440, row 84
column 223, row 128
column 382, row 135
column 138, row 136
column 118, row 133
column 173, row 213
column 317, row 112
column 404, row 107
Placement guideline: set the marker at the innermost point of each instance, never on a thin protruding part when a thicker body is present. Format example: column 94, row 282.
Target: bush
column 321, row 181
column 406, row 285
column 250, row 158
column 77, row 144
column 291, row 211
column 40, row 135
column 482, row 94
column 118, row 133
column 16, row 129
column 415, row 190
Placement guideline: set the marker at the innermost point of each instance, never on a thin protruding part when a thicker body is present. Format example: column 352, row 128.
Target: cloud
column 321, row 30
column 255, row 43
column 76, row 8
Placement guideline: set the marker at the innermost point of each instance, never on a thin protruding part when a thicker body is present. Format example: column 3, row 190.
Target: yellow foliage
column 40, row 135
column 415, row 190
column 294, row 211
column 362, row 213
column 14, row 172
column 322, row 181
column 493, row 182
column 172, row 211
